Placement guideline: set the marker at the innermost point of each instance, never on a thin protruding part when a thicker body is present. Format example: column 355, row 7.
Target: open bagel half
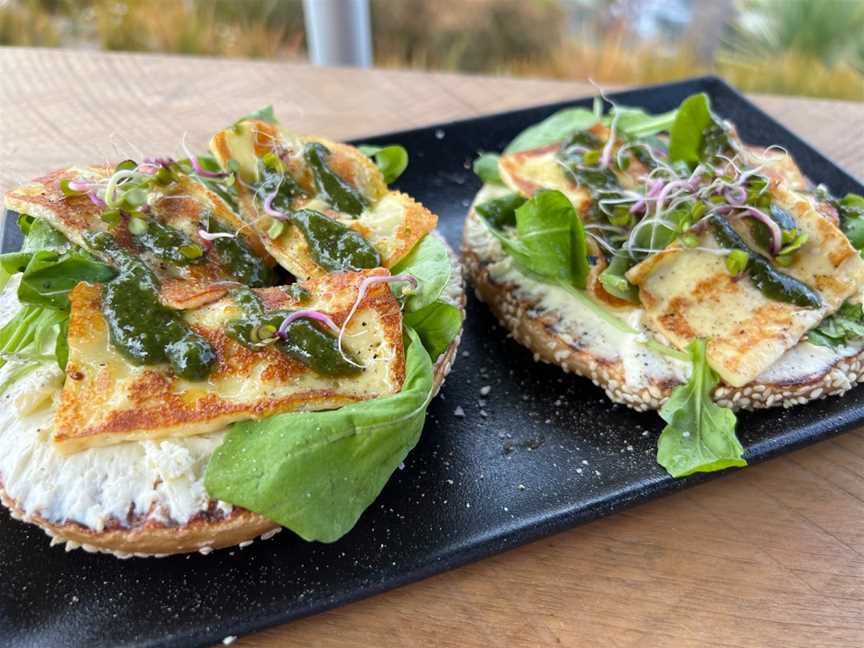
column 139, row 498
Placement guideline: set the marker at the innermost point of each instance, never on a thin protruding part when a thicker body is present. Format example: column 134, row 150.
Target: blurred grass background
column 802, row 47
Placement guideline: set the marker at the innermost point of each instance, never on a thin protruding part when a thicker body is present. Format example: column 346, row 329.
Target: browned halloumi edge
column 393, row 223
column 182, row 205
column 106, row 400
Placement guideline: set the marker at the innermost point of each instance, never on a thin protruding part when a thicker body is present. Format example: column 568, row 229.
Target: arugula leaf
column 436, row 324
column 851, row 211
column 549, row 241
column 316, row 472
column 500, row 212
column 555, row 128
column 699, row 435
column 429, row 262
column 485, row 167
column 392, row 160
column 264, row 114
column 696, row 132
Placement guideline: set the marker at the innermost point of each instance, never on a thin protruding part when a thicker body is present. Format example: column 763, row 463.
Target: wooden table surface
column 769, row 556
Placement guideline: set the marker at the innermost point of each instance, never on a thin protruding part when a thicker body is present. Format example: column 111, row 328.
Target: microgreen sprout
column 411, row 280
column 212, row 236
column 318, row 316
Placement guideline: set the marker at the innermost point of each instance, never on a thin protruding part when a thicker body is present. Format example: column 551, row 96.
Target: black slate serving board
column 542, row 452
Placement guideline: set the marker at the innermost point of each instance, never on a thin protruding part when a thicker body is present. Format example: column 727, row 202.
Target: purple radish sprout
column 361, row 292
column 212, row 236
column 735, row 195
column 776, row 232
column 270, row 211
column 318, row 316
column 606, row 156
column 196, row 165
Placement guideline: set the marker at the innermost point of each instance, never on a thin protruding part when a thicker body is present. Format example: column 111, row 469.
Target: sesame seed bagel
column 541, row 322
column 130, row 528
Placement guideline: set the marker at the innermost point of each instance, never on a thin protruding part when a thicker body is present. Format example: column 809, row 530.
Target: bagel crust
column 217, row 525
column 553, row 340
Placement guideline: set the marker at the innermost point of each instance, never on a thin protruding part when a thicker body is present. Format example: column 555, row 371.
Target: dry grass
column 792, row 73
column 521, row 37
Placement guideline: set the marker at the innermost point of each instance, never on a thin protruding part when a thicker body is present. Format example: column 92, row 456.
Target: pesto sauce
column 238, row 259
column 771, row 282
column 283, row 183
column 166, row 242
column 305, row 341
column 334, row 246
column 334, row 189
column 144, row 330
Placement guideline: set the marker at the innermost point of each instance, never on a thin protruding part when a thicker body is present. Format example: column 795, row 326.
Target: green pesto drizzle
column 168, row 243
column 144, row 330
column 304, row 340
column 238, row 259
column 334, row 189
column 771, row 282
column 334, row 246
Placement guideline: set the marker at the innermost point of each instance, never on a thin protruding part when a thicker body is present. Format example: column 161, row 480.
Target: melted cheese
column 107, row 400
column 393, row 223
column 182, row 205
column 689, row 293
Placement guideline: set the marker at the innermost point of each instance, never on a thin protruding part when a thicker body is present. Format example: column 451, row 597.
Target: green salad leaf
column 39, row 235
column 316, row 472
column 839, row 329
column 555, row 128
column 48, row 277
column 264, row 114
column 696, row 132
column 699, row 435
column 485, row 167
column 31, row 338
column 686, row 134
column 392, row 160
column 549, row 240
column 430, row 263
column 437, row 325
column 635, row 122
column 51, row 266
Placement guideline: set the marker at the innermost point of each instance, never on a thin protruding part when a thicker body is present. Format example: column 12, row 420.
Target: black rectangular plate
column 544, row 452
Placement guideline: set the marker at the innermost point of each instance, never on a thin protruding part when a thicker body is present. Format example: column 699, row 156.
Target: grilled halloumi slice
column 526, row 172
column 393, row 223
column 182, row 205
column 688, row 293
column 106, row 400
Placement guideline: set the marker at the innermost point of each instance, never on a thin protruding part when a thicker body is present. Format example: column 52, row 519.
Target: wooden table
column 770, row 556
